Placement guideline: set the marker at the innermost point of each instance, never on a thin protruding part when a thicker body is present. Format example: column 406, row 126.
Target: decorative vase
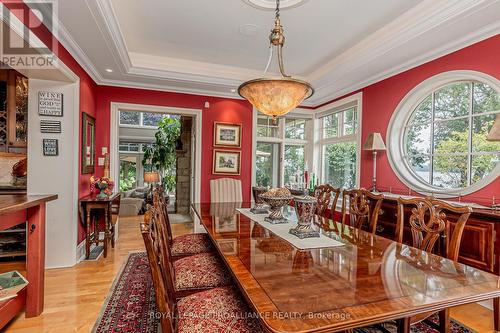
column 305, row 208
column 102, row 191
column 276, row 204
column 260, row 206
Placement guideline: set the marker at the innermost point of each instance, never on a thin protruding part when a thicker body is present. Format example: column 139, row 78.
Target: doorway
column 135, row 133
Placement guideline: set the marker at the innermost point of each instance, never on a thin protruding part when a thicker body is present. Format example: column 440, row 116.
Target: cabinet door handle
column 32, row 228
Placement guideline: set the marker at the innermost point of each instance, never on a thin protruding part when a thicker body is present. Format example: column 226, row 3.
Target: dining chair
column 214, row 310
column 428, row 224
column 191, row 273
column 183, row 245
column 363, row 209
column 324, row 193
column 225, row 190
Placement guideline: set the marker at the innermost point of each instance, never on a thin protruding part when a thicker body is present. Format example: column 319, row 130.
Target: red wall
column 381, row 99
column 88, row 88
column 227, row 110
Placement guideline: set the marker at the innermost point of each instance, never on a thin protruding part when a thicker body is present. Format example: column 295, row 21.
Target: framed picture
column 227, row 224
column 229, row 246
column 226, row 162
column 50, row 147
column 227, row 135
column 88, row 143
column 50, row 104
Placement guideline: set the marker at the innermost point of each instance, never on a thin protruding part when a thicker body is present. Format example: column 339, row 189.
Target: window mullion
column 431, row 157
column 469, row 157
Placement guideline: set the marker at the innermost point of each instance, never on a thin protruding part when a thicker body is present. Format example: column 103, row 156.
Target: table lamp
column 374, row 143
column 494, row 134
column 151, row 177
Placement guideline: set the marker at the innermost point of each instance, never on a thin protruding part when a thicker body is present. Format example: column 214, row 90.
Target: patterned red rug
column 130, row 304
column 131, row 300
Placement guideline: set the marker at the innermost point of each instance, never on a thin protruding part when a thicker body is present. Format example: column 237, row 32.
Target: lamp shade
column 494, row 134
column 151, row 177
column 374, row 142
column 275, row 97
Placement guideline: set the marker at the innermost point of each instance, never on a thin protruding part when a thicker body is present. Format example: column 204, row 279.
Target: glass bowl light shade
column 275, row 97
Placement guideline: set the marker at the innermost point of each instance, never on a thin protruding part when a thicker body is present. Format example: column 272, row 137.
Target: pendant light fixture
column 276, row 96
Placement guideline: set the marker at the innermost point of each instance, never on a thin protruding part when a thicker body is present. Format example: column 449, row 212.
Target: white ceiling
column 196, row 46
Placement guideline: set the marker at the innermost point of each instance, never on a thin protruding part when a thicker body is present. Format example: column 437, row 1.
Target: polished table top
column 370, row 279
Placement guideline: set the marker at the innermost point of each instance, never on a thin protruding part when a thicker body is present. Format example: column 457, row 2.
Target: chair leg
column 444, row 321
column 496, row 313
column 403, row 325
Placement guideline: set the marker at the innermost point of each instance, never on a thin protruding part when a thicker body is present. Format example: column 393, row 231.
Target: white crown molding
column 70, row 44
column 475, row 37
column 106, row 20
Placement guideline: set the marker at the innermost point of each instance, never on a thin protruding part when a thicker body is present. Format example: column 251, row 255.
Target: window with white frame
column 443, row 125
column 339, row 144
column 283, row 146
column 142, row 119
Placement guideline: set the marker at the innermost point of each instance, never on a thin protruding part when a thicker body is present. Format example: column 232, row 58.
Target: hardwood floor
column 74, row 296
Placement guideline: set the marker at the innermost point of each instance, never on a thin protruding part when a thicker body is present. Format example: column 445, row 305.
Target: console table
column 29, row 209
column 109, row 206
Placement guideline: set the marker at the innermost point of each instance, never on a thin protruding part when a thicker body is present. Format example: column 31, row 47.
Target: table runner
column 282, row 231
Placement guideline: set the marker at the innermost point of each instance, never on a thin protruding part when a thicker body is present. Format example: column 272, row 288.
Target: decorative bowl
column 305, row 208
column 260, row 206
column 275, row 203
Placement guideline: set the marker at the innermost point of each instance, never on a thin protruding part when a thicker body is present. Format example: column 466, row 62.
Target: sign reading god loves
column 50, row 104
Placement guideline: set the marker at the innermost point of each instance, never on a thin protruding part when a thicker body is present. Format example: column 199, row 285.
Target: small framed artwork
column 88, row 144
column 227, row 224
column 50, row 104
column 226, row 162
column 50, row 147
column 227, row 135
column 50, row 126
column 229, row 246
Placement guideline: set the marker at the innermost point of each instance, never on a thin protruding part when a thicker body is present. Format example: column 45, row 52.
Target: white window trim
column 335, row 107
column 396, row 131
column 307, row 143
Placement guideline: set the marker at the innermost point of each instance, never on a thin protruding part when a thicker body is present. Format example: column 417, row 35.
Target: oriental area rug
column 130, row 304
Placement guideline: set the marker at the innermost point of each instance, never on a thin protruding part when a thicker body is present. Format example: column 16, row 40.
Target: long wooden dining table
column 367, row 280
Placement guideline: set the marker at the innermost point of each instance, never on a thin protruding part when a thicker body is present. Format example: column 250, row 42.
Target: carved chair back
column 161, row 269
column 161, row 203
column 428, row 222
column 363, row 208
column 324, row 193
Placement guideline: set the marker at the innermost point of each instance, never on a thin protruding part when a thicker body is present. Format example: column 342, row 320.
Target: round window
column 437, row 136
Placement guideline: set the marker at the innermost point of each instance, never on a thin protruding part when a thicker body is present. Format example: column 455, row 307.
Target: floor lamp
column 374, row 143
column 494, row 135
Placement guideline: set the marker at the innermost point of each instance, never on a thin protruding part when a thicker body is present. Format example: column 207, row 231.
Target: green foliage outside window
column 161, row 155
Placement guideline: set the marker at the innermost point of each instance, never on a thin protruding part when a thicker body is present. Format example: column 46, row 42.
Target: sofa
column 133, row 202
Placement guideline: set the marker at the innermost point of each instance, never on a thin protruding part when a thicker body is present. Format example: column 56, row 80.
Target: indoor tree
column 161, row 155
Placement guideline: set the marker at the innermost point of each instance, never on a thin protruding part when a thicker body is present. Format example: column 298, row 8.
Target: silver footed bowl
column 276, row 204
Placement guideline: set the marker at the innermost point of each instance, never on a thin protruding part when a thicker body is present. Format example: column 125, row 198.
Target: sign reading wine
column 50, row 104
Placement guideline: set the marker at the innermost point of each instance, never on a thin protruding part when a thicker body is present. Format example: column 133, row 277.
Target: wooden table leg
column 35, row 261
column 444, row 321
column 403, row 325
column 496, row 313
column 112, row 226
column 87, row 235
column 106, row 233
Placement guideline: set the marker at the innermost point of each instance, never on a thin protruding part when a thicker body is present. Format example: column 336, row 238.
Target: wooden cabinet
column 13, row 111
column 478, row 242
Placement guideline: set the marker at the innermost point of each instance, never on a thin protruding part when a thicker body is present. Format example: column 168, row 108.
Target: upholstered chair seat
column 190, row 244
column 200, row 271
column 216, row 310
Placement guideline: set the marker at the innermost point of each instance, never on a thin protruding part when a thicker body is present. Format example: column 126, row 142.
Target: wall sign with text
column 50, row 126
column 50, row 147
column 50, row 104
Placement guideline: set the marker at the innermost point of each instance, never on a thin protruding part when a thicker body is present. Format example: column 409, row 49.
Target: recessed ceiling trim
column 271, row 4
column 332, row 82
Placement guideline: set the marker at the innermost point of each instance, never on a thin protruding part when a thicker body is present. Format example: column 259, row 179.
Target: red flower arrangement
column 104, row 184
